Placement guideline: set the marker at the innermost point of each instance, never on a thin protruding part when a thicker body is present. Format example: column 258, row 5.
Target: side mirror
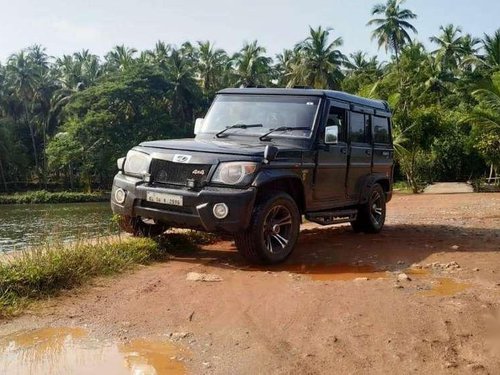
column 331, row 134
column 270, row 153
column 197, row 125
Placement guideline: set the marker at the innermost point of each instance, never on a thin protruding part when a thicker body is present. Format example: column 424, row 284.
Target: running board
column 332, row 217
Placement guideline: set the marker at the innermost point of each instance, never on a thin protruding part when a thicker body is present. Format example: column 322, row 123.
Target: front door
column 361, row 153
column 330, row 175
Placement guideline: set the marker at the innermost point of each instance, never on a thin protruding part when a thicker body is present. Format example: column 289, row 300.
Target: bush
column 43, row 196
column 43, row 271
column 46, row 270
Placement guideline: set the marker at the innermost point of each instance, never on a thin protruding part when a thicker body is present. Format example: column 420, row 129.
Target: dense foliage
column 64, row 121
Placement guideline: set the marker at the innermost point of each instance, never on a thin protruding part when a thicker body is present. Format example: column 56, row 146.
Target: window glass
column 381, row 130
column 358, row 128
column 270, row 111
column 337, row 116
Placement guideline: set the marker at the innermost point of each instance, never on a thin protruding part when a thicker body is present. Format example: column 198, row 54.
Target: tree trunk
column 491, row 173
column 32, row 135
column 44, row 166
column 70, row 174
column 2, row 175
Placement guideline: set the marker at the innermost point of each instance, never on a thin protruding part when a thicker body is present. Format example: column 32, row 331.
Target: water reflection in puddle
column 64, row 351
column 335, row 272
column 445, row 286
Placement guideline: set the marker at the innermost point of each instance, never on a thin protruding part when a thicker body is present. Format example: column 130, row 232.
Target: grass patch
column 43, row 196
column 45, row 271
column 402, row 187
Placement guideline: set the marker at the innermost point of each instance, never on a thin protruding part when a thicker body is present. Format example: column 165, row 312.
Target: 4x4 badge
column 178, row 158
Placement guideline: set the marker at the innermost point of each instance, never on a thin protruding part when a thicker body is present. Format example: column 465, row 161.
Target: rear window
column 381, row 133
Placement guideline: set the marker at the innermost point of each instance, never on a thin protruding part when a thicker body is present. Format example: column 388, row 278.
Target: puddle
column 417, row 272
column 445, row 286
column 335, row 272
column 62, row 351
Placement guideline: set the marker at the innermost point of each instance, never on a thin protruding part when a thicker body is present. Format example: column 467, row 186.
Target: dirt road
column 340, row 305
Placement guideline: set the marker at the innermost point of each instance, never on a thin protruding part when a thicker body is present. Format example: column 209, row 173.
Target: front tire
column 138, row 227
column 273, row 230
column 371, row 215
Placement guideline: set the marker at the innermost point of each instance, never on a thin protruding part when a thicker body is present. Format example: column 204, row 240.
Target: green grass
column 43, row 196
column 42, row 272
column 402, row 187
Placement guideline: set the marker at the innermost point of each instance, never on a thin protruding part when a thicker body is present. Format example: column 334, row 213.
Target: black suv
column 260, row 160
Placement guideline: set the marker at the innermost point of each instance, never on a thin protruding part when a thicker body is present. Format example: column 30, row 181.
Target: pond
column 22, row 226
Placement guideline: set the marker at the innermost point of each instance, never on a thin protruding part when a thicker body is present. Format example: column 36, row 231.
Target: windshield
column 270, row 111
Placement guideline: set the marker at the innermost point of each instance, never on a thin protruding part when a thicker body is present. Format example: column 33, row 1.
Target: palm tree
column 252, row 67
column 184, row 91
column 359, row 62
column 487, row 113
column 491, row 46
column 486, row 116
column 320, row 61
column 392, row 25
column 469, row 52
column 90, row 67
column 450, row 46
column 285, row 63
column 211, row 63
column 21, row 76
column 121, row 57
column 160, row 54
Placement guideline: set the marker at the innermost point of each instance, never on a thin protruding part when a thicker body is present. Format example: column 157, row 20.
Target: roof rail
column 302, row 87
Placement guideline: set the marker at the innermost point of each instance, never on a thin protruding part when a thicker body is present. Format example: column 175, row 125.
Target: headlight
column 119, row 163
column 234, row 173
column 137, row 163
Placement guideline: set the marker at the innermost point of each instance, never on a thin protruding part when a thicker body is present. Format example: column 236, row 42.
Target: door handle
column 386, row 153
column 368, row 152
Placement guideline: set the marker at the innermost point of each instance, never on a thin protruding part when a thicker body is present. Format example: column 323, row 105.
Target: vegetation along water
column 65, row 120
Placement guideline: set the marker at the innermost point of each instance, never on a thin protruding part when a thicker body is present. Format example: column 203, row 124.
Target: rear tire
column 273, row 230
column 139, row 228
column 371, row 215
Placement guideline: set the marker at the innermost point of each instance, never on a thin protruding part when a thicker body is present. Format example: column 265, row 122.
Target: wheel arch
column 382, row 180
column 283, row 181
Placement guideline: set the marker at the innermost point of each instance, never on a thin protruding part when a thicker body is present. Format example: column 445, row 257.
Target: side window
column 360, row 128
column 337, row 116
column 381, row 133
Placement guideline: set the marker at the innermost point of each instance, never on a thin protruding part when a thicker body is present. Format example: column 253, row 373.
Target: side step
column 332, row 217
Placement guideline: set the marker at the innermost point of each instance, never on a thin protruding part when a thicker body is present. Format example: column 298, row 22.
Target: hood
column 214, row 146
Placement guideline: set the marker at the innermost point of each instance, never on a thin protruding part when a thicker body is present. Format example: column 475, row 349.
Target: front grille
column 167, row 172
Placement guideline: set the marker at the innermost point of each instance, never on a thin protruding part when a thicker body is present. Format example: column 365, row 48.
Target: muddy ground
column 338, row 306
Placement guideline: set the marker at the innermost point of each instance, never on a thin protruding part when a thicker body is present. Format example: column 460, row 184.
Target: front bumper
column 196, row 212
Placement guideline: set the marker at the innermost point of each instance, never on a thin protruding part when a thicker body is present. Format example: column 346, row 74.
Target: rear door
column 382, row 146
column 330, row 174
column 360, row 151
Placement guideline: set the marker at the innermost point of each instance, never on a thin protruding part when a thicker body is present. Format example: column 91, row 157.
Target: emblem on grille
column 199, row 172
column 179, row 158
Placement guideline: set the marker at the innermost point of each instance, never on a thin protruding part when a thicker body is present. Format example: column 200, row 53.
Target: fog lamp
column 120, row 195
column 220, row 210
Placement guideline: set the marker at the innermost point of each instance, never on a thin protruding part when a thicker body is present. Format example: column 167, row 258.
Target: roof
column 339, row 95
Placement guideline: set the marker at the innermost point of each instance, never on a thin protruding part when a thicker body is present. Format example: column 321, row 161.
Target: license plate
column 174, row 200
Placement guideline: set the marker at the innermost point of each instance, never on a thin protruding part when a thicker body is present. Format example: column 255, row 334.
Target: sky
column 67, row 26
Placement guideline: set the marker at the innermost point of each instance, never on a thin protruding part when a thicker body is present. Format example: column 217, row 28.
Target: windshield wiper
column 238, row 126
column 265, row 137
